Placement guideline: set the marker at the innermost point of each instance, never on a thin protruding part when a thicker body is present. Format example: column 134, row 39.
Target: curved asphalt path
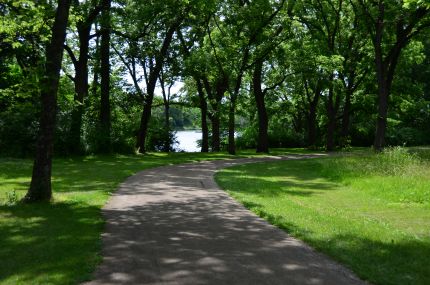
column 174, row 225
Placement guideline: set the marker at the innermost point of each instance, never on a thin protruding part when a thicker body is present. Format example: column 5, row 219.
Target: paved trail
column 173, row 225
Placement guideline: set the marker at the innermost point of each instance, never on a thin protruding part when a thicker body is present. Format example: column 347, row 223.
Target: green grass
column 58, row 243
column 370, row 212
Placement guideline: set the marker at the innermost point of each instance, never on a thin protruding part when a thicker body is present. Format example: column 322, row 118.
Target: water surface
column 187, row 140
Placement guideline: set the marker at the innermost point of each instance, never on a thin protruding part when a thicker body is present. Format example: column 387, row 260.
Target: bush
column 278, row 137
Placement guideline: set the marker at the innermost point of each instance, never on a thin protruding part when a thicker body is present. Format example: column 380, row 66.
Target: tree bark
column 332, row 109
column 40, row 186
column 81, row 89
column 263, row 137
column 216, row 135
column 81, row 79
column 386, row 64
column 104, row 144
column 215, row 98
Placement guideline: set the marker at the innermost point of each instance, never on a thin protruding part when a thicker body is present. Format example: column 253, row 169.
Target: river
column 187, row 140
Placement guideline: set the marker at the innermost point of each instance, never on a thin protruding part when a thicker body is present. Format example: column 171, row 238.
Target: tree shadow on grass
column 381, row 262
column 48, row 243
column 285, row 179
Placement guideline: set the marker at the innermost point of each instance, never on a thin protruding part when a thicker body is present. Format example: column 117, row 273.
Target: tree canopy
column 251, row 74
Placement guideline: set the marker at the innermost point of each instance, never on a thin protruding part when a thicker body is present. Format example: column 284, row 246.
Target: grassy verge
column 370, row 212
column 58, row 243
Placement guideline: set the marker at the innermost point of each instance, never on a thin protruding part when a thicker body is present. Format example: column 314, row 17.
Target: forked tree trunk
column 81, row 90
column 40, row 186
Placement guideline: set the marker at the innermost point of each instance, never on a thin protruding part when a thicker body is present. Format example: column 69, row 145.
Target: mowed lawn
column 369, row 212
column 59, row 243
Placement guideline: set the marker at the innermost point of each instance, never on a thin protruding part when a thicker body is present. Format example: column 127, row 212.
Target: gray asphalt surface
column 174, row 225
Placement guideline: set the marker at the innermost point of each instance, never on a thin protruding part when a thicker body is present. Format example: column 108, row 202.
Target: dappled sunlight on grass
column 35, row 241
column 58, row 243
column 355, row 208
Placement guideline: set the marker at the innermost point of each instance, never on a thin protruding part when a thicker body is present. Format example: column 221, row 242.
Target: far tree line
column 83, row 76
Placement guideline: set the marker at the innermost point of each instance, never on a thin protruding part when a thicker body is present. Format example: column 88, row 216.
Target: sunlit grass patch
column 370, row 212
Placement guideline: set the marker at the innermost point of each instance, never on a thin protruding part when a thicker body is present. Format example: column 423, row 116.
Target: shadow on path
column 173, row 225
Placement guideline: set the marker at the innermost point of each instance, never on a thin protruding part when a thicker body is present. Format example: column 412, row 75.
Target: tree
column 104, row 141
column 391, row 25
column 40, row 187
column 87, row 15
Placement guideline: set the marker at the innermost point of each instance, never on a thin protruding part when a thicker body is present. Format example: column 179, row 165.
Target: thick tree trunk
column 331, row 128
column 216, row 135
column 385, row 68
column 263, row 137
column 215, row 98
column 204, row 114
column 40, row 187
column 381, row 121
column 81, row 90
column 104, row 145
column 144, row 123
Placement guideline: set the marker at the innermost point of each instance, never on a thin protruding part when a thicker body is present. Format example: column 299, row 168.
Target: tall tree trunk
column 312, row 126
column 144, row 123
column 81, row 89
column 331, row 114
column 386, row 65
column 216, row 135
column 381, row 121
column 263, row 138
column 104, row 144
column 204, row 114
column 153, row 76
column 40, row 186
column 215, row 98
